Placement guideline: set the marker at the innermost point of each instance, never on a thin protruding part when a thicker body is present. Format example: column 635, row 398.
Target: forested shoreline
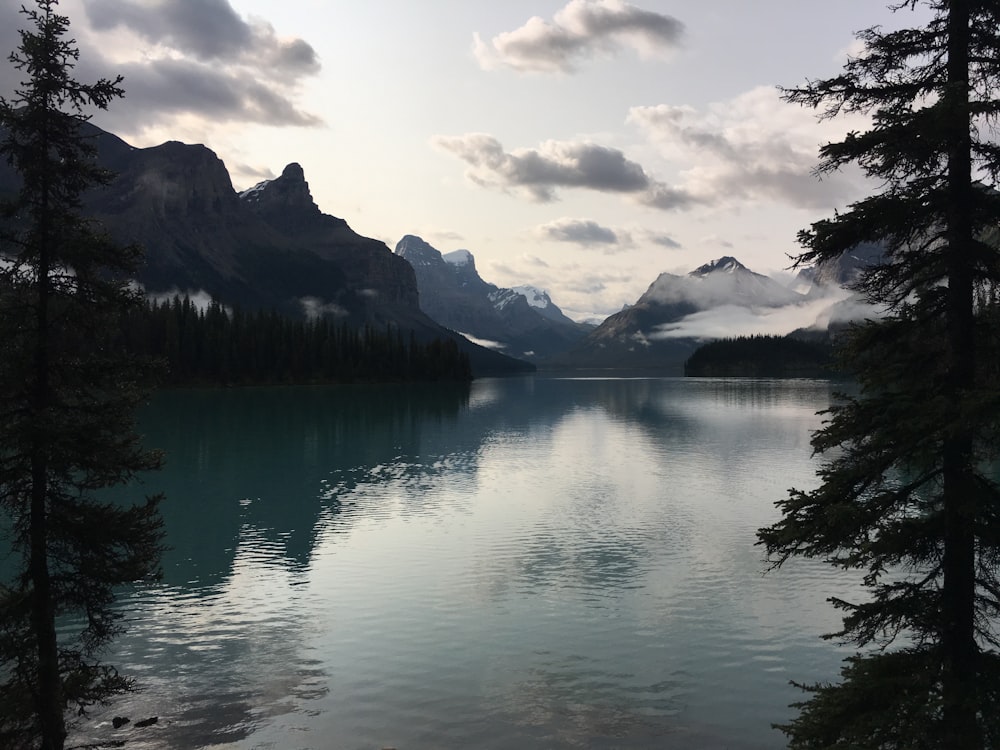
column 762, row 356
column 219, row 346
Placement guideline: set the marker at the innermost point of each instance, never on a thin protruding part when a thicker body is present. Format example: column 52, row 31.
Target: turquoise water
column 526, row 563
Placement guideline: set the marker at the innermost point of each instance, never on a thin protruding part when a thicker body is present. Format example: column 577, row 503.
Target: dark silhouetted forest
column 232, row 347
column 761, row 356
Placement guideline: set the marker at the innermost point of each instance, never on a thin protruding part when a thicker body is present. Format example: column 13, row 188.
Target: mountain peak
column 293, row 172
column 417, row 252
column 460, row 258
column 289, row 192
column 725, row 264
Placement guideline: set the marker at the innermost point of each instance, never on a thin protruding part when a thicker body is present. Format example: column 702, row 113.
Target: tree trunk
column 958, row 594
column 49, row 689
column 50, row 704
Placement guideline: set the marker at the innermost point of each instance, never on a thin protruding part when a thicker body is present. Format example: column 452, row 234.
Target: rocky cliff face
column 376, row 275
column 270, row 247
column 453, row 294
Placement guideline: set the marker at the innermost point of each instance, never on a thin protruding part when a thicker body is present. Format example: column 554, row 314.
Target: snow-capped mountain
column 635, row 337
column 522, row 322
column 725, row 281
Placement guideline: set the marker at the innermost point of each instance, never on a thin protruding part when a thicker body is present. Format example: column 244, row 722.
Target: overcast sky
column 582, row 147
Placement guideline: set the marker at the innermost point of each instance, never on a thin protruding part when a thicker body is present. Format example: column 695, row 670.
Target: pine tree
column 66, row 403
column 908, row 493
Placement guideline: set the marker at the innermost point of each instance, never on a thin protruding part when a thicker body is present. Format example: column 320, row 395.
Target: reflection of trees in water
column 258, row 457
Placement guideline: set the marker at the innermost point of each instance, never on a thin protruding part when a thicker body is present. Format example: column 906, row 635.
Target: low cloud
column 753, row 147
column 539, row 173
column 485, row 343
column 718, row 289
column 201, row 299
column 580, row 30
column 314, row 308
column 727, row 321
column 578, row 232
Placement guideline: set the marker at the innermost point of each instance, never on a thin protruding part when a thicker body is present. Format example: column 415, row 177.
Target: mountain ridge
column 454, row 294
column 269, row 249
column 635, row 337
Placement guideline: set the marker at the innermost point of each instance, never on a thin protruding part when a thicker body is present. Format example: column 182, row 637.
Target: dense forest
column 763, row 357
column 218, row 346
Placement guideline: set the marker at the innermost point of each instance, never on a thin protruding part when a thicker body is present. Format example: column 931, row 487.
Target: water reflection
column 260, row 457
column 531, row 563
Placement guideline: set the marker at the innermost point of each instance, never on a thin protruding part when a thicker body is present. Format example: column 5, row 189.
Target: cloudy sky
column 583, row 146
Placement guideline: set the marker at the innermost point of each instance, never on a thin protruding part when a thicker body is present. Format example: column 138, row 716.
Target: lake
column 521, row 563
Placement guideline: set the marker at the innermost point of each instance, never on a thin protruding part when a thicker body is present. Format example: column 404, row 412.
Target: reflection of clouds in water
column 572, row 702
column 592, row 532
column 589, row 564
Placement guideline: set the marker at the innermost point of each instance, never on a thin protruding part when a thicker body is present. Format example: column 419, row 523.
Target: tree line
column 762, row 356
column 216, row 346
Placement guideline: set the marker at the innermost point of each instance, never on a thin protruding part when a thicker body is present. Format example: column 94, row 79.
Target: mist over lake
column 520, row 563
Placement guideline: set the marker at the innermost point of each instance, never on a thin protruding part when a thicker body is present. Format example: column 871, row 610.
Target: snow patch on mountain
column 459, row 258
column 252, row 193
column 536, row 297
column 501, row 298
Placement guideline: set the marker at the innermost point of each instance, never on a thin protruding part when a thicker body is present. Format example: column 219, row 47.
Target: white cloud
column 754, row 147
column 583, row 28
column 539, row 172
column 583, row 232
column 182, row 61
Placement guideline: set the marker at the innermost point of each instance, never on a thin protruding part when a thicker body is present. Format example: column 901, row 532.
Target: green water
column 527, row 563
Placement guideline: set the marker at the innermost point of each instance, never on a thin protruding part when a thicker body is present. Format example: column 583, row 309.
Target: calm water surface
column 528, row 563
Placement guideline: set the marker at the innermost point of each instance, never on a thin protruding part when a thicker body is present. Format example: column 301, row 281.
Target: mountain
column 522, row 322
column 844, row 270
column 636, row 336
column 269, row 247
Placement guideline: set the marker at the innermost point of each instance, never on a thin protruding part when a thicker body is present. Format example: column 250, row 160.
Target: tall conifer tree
column 66, row 403
column 908, row 491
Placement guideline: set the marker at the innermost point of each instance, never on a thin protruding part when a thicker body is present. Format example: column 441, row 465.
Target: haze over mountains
column 271, row 247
